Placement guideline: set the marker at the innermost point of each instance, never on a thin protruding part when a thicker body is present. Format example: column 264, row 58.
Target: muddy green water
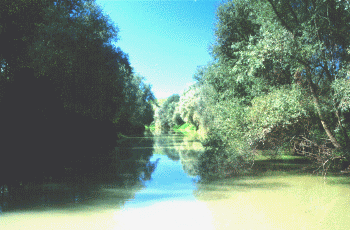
column 172, row 198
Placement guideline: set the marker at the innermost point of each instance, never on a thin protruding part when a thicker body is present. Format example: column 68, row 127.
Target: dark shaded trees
column 136, row 110
column 62, row 84
column 76, row 45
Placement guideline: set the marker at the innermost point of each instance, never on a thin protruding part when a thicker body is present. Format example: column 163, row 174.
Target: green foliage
column 280, row 74
column 166, row 116
column 73, row 49
column 341, row 89
column 282, row 107
column 188, row 106
column 17, row 22
column 235, row 26
column 187, row 126
column 186, row 129
column 64, row 84
column 152, row 127
column 137, row 107
column 159, row 102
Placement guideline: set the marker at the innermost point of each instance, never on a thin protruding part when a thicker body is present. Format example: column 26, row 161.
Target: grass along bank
column 189, row 130
column 150, row 128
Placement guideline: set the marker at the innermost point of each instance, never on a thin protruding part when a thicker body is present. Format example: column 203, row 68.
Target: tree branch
column 293, row 13
column 327, row 71
column 280, row 17
column 312, row 88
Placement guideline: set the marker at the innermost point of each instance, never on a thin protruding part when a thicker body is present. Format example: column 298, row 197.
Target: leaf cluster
column 280, row 70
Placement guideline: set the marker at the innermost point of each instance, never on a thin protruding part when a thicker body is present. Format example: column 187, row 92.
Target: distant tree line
column 278, row 81
column 165, row 116
column 65, row 90
column 177, row 110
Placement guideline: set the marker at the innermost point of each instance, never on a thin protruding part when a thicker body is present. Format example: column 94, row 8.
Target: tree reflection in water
column 183, row 148
column 87, row 181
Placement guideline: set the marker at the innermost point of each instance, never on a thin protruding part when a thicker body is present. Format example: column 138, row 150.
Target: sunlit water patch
column 166, row 202
column 288, row 202
column 171, row 214
column 168, row 182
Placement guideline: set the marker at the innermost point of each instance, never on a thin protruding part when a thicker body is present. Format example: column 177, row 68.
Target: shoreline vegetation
column 265, row 163
column 66, row 90
column 278, row 84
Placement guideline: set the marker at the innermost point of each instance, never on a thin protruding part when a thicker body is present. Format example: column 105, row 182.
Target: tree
column 18, row 18
column 318, row 41
column 76, row 45
column 188, row 106
column 62, row 84
column 271, row 59
column 165, row 114
column 137, row 108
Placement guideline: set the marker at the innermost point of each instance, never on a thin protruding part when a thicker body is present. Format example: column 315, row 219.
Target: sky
column 166, row 40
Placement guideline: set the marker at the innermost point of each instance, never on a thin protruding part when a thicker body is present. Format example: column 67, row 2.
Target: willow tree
column 315, row 42
column 164, row 115
column 280, row 67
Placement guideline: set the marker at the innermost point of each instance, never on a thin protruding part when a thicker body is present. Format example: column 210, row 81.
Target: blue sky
column 165, row 40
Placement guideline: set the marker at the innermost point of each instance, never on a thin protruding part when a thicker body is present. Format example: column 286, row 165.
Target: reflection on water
column 167, row 200
column 154, row 185
column 149, row 188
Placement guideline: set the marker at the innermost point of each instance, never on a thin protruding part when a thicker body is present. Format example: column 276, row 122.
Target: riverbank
column 281, row 193
column 186, row 129
column 158, row 188
column 278, row 202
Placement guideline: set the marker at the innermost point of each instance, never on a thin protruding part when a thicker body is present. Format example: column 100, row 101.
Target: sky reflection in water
column 169, row 182
column 172, row 200
column 167, row 201
column 164, row 202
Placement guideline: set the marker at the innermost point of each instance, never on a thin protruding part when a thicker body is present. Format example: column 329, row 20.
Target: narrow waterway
column 158, row 188
column 154, row 192
column 168, row 201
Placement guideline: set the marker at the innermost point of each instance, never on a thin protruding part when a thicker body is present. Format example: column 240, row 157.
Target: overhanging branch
column 280, row 17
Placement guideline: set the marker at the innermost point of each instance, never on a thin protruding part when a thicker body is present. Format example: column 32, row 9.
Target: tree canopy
column 279, row 73
column 63, row 83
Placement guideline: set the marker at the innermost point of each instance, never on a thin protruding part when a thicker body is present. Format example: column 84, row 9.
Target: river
column 162, row 191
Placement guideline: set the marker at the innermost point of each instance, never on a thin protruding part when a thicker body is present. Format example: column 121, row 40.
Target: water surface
column 159, row 188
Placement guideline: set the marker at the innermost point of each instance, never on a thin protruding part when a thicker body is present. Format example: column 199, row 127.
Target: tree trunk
column 319, row 112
